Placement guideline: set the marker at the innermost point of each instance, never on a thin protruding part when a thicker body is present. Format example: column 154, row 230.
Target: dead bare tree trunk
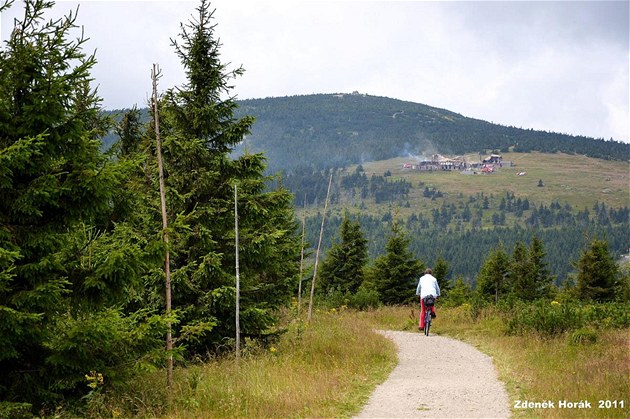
column 155, row 75
column 238, row 278
column 299, row 304
column 319, row 245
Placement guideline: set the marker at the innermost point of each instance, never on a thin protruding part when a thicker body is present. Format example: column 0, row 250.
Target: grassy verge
column 330, row 368
column 327, row 369
column 540, row 369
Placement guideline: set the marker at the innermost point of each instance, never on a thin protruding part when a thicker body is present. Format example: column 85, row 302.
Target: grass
column 330, row 368
column 327, row 369
column 578, row 180
column 539, row 369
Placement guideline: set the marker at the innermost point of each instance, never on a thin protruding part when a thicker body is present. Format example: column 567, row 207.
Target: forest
column 465, row 244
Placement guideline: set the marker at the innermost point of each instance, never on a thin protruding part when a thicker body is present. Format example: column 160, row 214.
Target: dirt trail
column 438, row 377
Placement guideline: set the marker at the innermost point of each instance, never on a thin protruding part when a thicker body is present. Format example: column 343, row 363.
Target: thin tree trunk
column 155, row 74
column 319, row 246
column 238, row 278
column 299, row 305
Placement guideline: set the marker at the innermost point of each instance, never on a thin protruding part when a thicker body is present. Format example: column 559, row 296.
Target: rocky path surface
column 438, row 377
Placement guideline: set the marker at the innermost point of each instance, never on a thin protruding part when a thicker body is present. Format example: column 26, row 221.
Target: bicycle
column 429, row 302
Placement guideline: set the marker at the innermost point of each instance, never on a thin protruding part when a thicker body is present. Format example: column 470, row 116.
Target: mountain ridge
column 338, row 129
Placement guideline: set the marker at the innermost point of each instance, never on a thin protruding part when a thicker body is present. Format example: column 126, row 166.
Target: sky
column 558, row 66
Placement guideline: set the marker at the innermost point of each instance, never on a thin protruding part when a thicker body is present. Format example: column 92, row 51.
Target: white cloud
column 557, row 66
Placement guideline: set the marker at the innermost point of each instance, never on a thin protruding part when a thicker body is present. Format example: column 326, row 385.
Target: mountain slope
column 325, row 130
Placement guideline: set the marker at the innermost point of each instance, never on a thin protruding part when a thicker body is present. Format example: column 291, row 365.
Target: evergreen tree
column 520, row 276
column 529, row 277
column 65, row 267
column 492, row 279
column 396, row 272
column 441, row 272
column 199, row 131
column 343, row 268
column 542, row 278
column 597, row 273
column 459, row 294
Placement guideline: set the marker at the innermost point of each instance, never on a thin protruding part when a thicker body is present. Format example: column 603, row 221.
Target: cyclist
column 427, row 285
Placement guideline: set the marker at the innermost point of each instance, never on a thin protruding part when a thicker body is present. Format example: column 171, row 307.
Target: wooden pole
column 319, row 245
column 155, row 74
column 238, row 278
column 301, row 259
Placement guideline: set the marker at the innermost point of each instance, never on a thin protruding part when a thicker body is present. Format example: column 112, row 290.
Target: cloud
column 556, row 66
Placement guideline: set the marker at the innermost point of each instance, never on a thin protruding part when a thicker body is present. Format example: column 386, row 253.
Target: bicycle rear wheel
column 427, row 322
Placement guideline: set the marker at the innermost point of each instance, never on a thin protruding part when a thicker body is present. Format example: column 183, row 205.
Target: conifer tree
column 440, row 272
column 65, row 268
column 529, row 277
column 542, row 278
column 597, row 273
column 492, row 279
column 521, row 280
column 199, row 131
column 343, row 268
column 460, row 293
column 396, row 272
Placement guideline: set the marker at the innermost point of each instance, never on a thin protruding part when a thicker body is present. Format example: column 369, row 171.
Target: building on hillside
column 493, row 159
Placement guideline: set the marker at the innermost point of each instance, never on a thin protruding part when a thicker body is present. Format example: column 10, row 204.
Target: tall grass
column 325, row 369
column 329, row 369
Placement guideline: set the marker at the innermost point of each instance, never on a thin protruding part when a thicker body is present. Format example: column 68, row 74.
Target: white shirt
column 428, row 285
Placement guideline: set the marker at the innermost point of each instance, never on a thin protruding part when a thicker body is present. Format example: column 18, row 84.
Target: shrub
column 364, row 298
column 553, row 318
column 15, row 410
column 544, row 318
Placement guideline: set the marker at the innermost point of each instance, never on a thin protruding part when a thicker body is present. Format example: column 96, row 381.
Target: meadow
column 577, row 180
column 330, row 367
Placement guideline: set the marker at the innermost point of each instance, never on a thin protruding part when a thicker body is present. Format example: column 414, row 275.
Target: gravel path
column 438, row 377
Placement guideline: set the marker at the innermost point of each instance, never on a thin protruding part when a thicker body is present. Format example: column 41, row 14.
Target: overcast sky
column 556, row 66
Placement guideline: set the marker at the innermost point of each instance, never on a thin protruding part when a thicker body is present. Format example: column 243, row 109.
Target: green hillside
column 336, row 130
column 461, row 217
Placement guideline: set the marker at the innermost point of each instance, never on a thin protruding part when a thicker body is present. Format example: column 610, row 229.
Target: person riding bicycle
column 427, row 285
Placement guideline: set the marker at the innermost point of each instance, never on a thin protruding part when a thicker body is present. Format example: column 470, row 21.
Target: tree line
column 350, row 277
column 466, row 248
column 309, row 186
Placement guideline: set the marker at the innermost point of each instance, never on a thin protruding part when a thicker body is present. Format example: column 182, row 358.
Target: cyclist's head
column 429, row 271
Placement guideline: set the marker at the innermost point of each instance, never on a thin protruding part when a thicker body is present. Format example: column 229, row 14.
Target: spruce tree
column 460, row 293
column 440, row 272
column 396, row 272
column 65, row 268
column 492, row 281
column 521, row 279
column 542, row 278
column 199, row 132
column 344, row 266
column 529, row 277
column 597, row 273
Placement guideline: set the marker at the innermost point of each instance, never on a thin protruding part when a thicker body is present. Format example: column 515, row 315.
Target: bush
column 553, row 318
column 15, row 410
column 364, row 298
column 544, row 318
